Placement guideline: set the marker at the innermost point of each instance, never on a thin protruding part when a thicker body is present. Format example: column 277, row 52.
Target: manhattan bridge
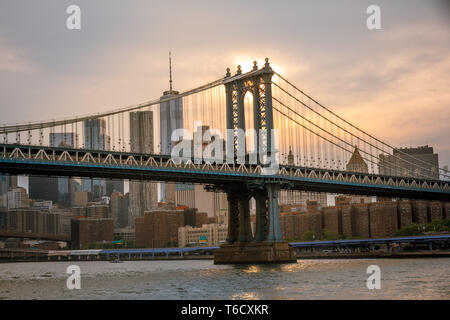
column 314, row 145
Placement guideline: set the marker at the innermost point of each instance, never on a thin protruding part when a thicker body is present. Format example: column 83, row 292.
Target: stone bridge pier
column 266, row 245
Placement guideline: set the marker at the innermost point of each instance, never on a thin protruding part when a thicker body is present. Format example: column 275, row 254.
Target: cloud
column 14, row 59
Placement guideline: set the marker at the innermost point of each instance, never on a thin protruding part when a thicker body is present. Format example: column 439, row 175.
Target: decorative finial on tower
column 170, row 72
column 255, row 65
column 239, row 71
column 267, row 65
column 228, row 74
column 290, row 157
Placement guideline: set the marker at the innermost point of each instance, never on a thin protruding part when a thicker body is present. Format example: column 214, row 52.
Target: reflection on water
column 307, row 279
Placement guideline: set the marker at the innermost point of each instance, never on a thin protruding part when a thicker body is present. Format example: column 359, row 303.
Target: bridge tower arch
column 259, row 83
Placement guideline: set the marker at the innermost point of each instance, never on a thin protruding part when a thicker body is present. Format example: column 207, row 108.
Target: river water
column 201, row 279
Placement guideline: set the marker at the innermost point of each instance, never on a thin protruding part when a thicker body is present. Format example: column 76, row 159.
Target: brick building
column 91, row 230
column 201, row 218
column 159, row 228
column 360, row 221
column 35, row 222
column 383, row 219
column 332, row 219
column 310, row 221
column 446, row 210
column 99, row 211
column 434, row 210
column 346, row 215
column 290, row 225
column 419, row 211
column 404, row 213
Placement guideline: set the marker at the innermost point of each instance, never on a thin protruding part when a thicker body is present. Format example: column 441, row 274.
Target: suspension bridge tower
column 266, row 245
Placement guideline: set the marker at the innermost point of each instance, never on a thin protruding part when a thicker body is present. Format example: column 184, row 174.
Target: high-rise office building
column 65, row 185
column 119, row 209
column 18, row 199
column 171, row 118
column 62, row 139
column 143, row 196
column 43, row 188
column 411, row 162
column 59, row 190
column 195, row 196
column 114, row 185
column 6, row 182
column 95, row 138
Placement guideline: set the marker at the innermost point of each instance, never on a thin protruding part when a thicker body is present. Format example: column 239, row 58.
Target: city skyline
column 380, row 79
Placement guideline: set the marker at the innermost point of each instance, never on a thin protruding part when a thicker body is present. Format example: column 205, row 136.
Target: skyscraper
column 119, row 209
column 62, row 139
column 143, row 196
column 65, row 185
column 95, row 138
column 59, row 190
column 6, row 182
column 95, row 134
column 171, row 118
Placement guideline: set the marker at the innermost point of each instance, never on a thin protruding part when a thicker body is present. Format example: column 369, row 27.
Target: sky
column 393, row 82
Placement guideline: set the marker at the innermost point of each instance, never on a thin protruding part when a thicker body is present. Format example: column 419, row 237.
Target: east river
column 201, row 279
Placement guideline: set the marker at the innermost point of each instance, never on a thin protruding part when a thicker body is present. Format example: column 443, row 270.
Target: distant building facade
column 362, row 220
column 91, row 230
column 159, row 228
column 6, row 182
column 143, row 196
column 171, row 118
column 119, row 209
column 410, row 162
column 95, row 138
column 18, row 199
column 206, row 235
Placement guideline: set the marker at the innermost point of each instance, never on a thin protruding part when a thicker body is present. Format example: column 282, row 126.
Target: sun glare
column 246, row 63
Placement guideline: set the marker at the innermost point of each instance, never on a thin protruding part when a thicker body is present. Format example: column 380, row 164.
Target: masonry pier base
column 254, row 252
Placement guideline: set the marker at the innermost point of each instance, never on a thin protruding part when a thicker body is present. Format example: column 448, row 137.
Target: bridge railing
column 58, row 156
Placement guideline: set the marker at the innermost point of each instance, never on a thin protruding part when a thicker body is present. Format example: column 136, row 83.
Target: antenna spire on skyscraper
column 170, row 72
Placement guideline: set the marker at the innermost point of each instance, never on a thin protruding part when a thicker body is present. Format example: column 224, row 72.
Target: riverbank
column 75, row 259
column 376, row 255
column 303, row 256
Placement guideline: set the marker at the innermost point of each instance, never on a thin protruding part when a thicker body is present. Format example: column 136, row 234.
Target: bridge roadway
column 18, row 159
